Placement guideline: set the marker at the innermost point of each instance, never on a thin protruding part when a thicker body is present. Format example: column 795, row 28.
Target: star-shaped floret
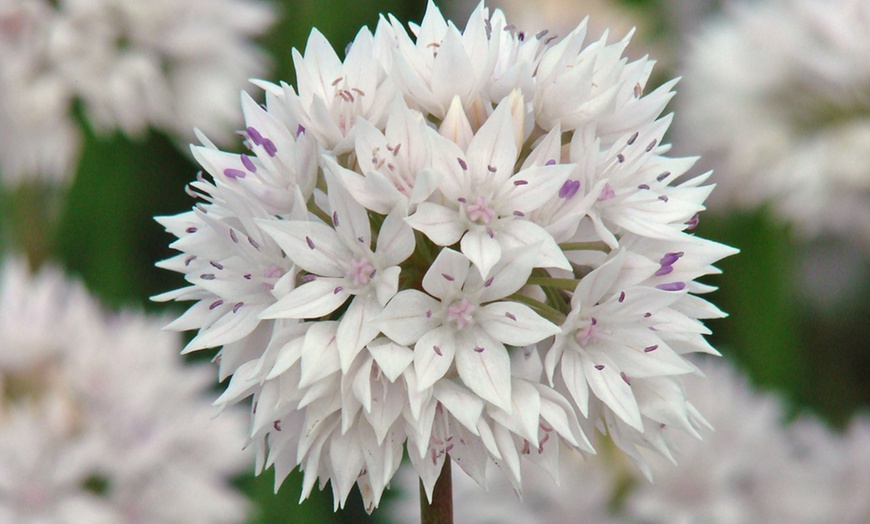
column 341, row 263
column 462, row 321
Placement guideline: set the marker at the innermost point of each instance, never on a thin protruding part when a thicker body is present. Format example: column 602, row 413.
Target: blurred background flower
column 798, row 307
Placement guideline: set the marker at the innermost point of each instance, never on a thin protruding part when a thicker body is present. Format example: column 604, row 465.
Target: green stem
column 440, row 511
column 584, row 246
column 566, row 284
column 550, row 313
column 321, row 214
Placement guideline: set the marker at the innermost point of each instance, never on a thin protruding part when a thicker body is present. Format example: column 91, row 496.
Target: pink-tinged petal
column 465, row 406
column 356, row 328
column 392, row 358
column 439, row 223
column 433, row 356
column 510, row 274
column 314, row 247
column 484, row 366
column 521, row 232
column 481, row 249
column 319, row 353
column 575, row 380
column 447, row 274
column 492, row 152
column 349, row 217
column 515, row 324
column 531, row 188
column 408, row 316
column 608, row 384
column 315, row 299
column 395, row 239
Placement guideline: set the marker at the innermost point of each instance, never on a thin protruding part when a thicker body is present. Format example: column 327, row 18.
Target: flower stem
column 584, row 246
column 566, row 284
column 440, row 511
column 550, row 313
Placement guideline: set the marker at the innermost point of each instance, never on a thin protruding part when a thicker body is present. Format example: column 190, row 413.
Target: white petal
column 356, row 329
column 433, row 356
column 575, row 380
column 405, row 318
column 484, row 366
column 483, row 250
column 521, row 232
column 319, row 353
column 465, row 406
column 448, row 272
column 515, row 324
column 395, row 239
column 439, row 223
column 315, row 299
column 314, row 247
column 609, row 386
column 494, row 147
column 531, row 188
column 392, row 358
column 349, row 217
column 511, row 273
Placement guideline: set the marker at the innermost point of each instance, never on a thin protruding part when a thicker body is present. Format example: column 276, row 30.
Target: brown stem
column 441, row 509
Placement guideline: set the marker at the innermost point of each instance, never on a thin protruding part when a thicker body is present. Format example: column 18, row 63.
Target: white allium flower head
column 99, row 419
column 778, row 97
column 444, row 243
column 132, row 65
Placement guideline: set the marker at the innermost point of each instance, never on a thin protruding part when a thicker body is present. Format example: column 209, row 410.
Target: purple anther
column 249, row 165
column 373, row 273
column 488, row 282
column 207, row 276
column 237, row 306
column 307, row 278
column 633, row 138
column 672, row 286
column 277, row 425
column 361, row 240
column 643, row 186
column 337, row 290
column 216, row 303
column 269, row 146
column 447, row 277
column 396, row 150
column 479, row 349
column 510, row 315
column 625, row 377
column 663, row 176
column 542, row 34
column 428, row 313
column 670, row 258
column 491, row 169
column 593, row 321
column 189, row 259
column 599, row 367
column 693, row 222
column 234, row 173
column 253, row 243
column 191, row 230
column 664, row 270
column 438, row 351
column 652, row 145
column 300, row 130
column 216, row 265
column 519, row 214
column 650, row 349
column 520, row 182
column 550, row 162
column 335, row 218
column 663, row 198
column 462, row 200
column 462, row 164
column 255, row 136
column 620, row 158
column 247, row 276
column 647, row 314
column 621, row 297
column 490, row 232
column 309, row 242
column 233, row 236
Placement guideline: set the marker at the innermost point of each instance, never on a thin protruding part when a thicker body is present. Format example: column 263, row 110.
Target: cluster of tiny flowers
column 467, row 243
column 99, row 420
column 778, row 96
column 129, row 63
column 760, row 470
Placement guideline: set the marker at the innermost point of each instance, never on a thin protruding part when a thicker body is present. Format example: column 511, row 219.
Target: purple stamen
column 253, row 243
column 488, row 282
column 650, row 349
column 621, row 296
column 643, row 186
column 490, row 232
column 519, row 214
column 510, row 315
column 309, row 242
column 300, row 130
column 663, row 176
column 664, row 270
column 550, row 162
column 447, row 277
column 277, row 425
column 255, row 136
column 269, row 146
column 337, row 290
column 207, row 276
column 216, row 265
column 670, row 258
column 233, row 236
column 633, row 138
column 599, row 367
column 335, row 218
column 569, row 189
column 428, row 313
column 215, row 304
column 249, row 165
column 620, row 158
column 234, row 173
column 625, row 377
column 438, row 351
column 479, row 349
column 189, row 259
column 191, row 230
column 652, row 145
column 247, row 276
column 491, row 169
column 672, row 286
column 307, row 278
column 693, row 222
column 462, row 164
column 663, row 198
column 520, row 182
column 238, row 306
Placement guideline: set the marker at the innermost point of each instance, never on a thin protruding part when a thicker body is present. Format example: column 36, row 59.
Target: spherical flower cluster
column 778, row 98
column 99, row 420
column 131, row 64
column 760, row 470
column 470, row 243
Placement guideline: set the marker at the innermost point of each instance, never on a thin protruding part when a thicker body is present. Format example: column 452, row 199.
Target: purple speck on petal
column 593, row 320
column 447, row 277
column 599, row 367
column 569, row 189
column 428, row 313
column 650, row 349
column 462, row 164
column 670, row 258
column 234, row 173
column 189, row 259
column 652, row 145
column 664, row 270
column 510, row 315
column 438, row 351
column 663, row 198
column 490, row 232
column 663, row 176
column 647, row 314
column 633, row 138
column 643, row 186
column 620, row 158
column 520, row 182
column 361, row 240
column 479, row 349
column 462, row 200
column 233, row 236
column 622, row 296
column 337, row 290
column 491, row 169
column 269, row 146
column 253, row 243
column 249, row 165
column 207, row 276
column 300, row 130
column 277, row 425
column 488, row 282
column 309, row 242
column 237, row 306
column 672, row 286
column 247, row 276
column 191, row 230
column 216, row 265
column 216, row 303
column 551, row 162
column 625, row 377
column 255, row 136
column 519, row 214
column 335, row 218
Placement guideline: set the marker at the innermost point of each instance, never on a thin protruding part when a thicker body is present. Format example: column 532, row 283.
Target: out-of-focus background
column 798, row 296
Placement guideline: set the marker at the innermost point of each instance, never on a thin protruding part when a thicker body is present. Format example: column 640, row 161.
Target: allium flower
column 777, row 96
column 99, row 419
column 466, row 233
column 131, row 64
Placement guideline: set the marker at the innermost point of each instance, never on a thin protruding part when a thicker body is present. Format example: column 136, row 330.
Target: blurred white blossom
column 467, row 244
column 131, row 64
column 99, row 419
